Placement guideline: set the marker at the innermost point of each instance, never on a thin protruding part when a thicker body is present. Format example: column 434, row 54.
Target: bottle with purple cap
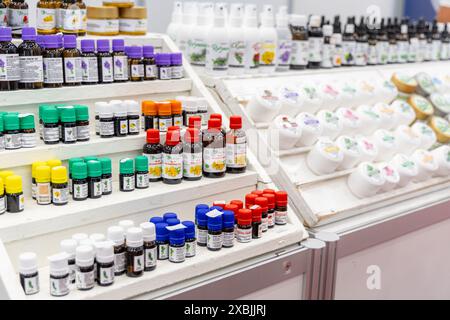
column 135, row 63
column 72, row 61
column 120, row 60
column 89, row 62
column 53, row 62
column 176, row 61
column 105, row 62
column 30, row 57
column 150, row 69
column 164, row 66
column 9, row 62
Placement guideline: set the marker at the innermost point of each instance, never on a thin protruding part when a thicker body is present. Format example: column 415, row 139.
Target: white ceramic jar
column 406, row 167
column 325, row 157
column 352, row 153
column 407, row 140
column 284, row 133
column 311, row 129
column 386, row 144
column 331, row 123
column 370, row 121
column 427, row 136
column 442, row 156
column 264, row 106
column 366, row 180
column 426, row 163
column 391, row 176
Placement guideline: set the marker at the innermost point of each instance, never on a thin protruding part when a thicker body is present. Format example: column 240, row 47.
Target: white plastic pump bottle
column 268, row 39
column 218, row 48
column 237, row 40
column 251, row 35
column 177, row 17
column 188, row 23
column 284, row 47
column 197, row 43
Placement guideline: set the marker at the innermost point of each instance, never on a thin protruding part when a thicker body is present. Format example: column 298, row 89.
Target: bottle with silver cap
column 59, row 275
column 150, row 254
column 69, row 246
column 84, row 258
column 116, row 235
column 105, row 263
column 135, row 252
column 28, row 272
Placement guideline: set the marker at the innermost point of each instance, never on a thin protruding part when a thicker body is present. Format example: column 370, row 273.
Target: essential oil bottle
column 244, row 226
column 165, row 119
column 281, row 198
column 84, row 259
column 82, row 122
column 127, row 173
column 59, row 275
column 116, row 235
column 150, row 115
column 214, row 239
column 105, row 62
column 190, row 240
column 120, row 60
column 17, row 16
column 106, row 120
column 60, row 186
column 45, row 17
column 256, row 221
column 135, row 64
column 228, row 229
column 177, row 113
column 105, row 263
column 263, row 203
column 27, row 130
column 120, row 118
column 150, row 250
column 94, row 179
column 162, row 241
column 31, row 64
column 214, row 145
column 315, row 41
column 142, row 177
column 69, row 246
column 43, row 185
column 135, row 252
column 72, row 62
column 70, row 163
column 172, row 160
column 2, row 197
column 153, row 151
column 14, row 194
column 28, row 272
column 133, row 116
column 89, row 62
column 68, row 120
column 176, row 61
column 236, row 152
column 11, row 76
column 177, row 247
column 106, row 176
column 50, row 125
column 80, row 181
column 53, row 63
column 202, row 226
column 270, row 209
column 192, row 155
column 150, row 68
column 13, row 139
column 163, row 62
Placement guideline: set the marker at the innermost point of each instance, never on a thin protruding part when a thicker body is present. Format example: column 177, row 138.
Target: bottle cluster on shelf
column 17, row 131
column 133, row 250
column 236, row 43
column 53, row 61
column 49, row 183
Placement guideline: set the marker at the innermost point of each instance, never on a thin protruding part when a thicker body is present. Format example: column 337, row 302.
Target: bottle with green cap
column 79, row 174
column 2, row 198
column 71, row 162
column 126, row 177
column 2, row 137
column 60, row 186
column 43, row 187
column 82, row 120
column 27, row 130
column 11, row 125
column 50, row 125
column 142, row 177
column 15, row 202
column 94, row 168
column 89, row 158
column 106, row 176
column 68, row 125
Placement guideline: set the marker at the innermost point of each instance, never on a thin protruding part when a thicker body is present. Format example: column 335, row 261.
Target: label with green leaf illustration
column 351, row 145
column 374, row 174
column 128, row 183
column 191, row 248
column 60, row 286
column 407, row 163
column 197, row 51
column 80, row 191
column 300, row 53
column 150, row 257
column 172, row 166
column 85, row 280
column 214, row 241
column 30, row 284
column 97, row 189
column 13, row 141
column 107, row 185
column 119, row 262
column 382, row 52
column 202, row 236
column 142, row 180
column 331, row 119
column 349, row 48
column 217, row 55
column 138, row 263
column 388, row 138
column 106, row 275
column 423, row 104
column 177, row 254
column 237, row 53
column 163, row 251
column 329, row 148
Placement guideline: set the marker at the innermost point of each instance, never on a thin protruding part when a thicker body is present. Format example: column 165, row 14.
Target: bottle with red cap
column 281, row 202
column 214, row 159
column 270, row 209
column 192, row 155
column 153, row 151
column 256, row 221
column 244, row 226
column 172, row 158
column 250, row 200
column 195, row 122
column 263, row 203
column 236, row 146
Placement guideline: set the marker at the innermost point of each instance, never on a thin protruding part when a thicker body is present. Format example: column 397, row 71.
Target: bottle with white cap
column 251, row 36
column 150, row 254
column 116, row 235
column 284, row 46
column 133, row 116
column 97, row 237
column 268, row 39
column 78, row 237
column 196, row 46
column 120, row 118
column 187, row 24
column 175, row 25
column 315, row 42
column 28, row 272
column 237, row 40
column 328, row 47
column 84, row 258
column 69, row 246
column 59, row 275
column 105, row 263
column 106, row 120
column 135, row 252
column 97, row 107
column 125, row 225
column 218, row 46
column 300, row 46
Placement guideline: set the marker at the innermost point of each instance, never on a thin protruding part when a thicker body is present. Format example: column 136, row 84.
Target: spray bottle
column 252, row 44
column 188, row 22
column 237, row 40
column 175, row 25
column 199, row 34
column 284, row 49
column 218, row 48
column 269, row 40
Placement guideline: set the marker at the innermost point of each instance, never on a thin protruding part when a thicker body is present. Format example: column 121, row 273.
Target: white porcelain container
column 386, row 144
column 370, row 121
column 330, row 96
column 284, row 133
column 427, row 136
column 404, row 112
column 426, row 163
column 264, row 106
column 291, row 101
column 350, row 120
column 325, row 157
column 407, row 140
column 352, row 153
column 366, row 180
column 311, row 97
column 387, row 114
column 442, row 156
column 369, row 151
column 311, row 129
column 406, row 167
column 391, row 176
column 331, row 123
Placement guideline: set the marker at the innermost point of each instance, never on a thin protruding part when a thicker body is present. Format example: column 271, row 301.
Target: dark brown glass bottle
column 192, row 155
column 30, row 56
column 214, row 144
column 153, row 151
column 135, row 64
column 17, row 17
column 72, row 62
column 172, row 164
column 83, row 17
column 53, row 63
column 9, row 80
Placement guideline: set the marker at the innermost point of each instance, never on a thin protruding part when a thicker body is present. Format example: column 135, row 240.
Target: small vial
column 27, row 130
column 153, row 151
column 244, row 227
column 235, row 209
column 162, row 241
column 164, row 115
column 127, row 175
column 105, row 263
column 43, row 187
column 202, row 110
column 59, row 275
column 94, row 179
column 150, row 115
column 176, row 61
column 236, row 147
column 28, row 272
column 69, row 246
column 228, row 229
column 214, row 239
column 89, row 62
column 150, row 251
column 135, row 64
column 150, row 68
column 13, row 139
column 72, row 62
column 53, row 62
column 70, row 162
column 177, row 113
column 82, row 122
column 97, row 237
column 270, row 209
column 133, row 116
column 263, row 203
column 163, row 61
column 106, row 120
column 105, row 62
column 142, row 177
column 256, row 221
column 281, row 199
column 79, row 181
column 84, row 258
column 192, row 155
column 120, row 118
column 190, row 240
column 177, row 247
column 68, row 125
column 135, row 252
column 120, row 60
column 156, row 220
column 2, row 136
column 202, row 227
column 50, row 125
column 60, row 186
column 116, row 235
column 190, row 109
column 14, row 194
column 106, row 176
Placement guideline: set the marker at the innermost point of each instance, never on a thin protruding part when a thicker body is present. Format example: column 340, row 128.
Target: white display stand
column 40, row 229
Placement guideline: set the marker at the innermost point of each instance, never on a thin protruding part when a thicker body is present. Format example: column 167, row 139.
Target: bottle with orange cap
column 149, row 115
column 172, row 158
column 177, row 113
column 153, row 151
column 244, row 226
column 164, row 115
column 236, row 146
column 214, row 158
column 192, row 155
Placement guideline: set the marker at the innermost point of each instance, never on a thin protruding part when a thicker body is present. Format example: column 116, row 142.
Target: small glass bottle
column 82, row 121
column 228, row 228
column 120, row 60
column 68, row 125
column 105, row 62
column 214, row 146
column 244, row 226
column 116, row 235
column 59, row 275
column 263, row 203
column 70, row 163
column 135, row 64
column 192, row 155
column 315, row 42
column 43, row 185
column 2, row 136
column 17, row 16
column 126, row 178
column 190, row 109
column 106, row 119
column 105, row 263
column 202, row 110
column 106, row 176
column 27, row 130
column 393, row 48
column 94, row 179
column 177, row 246
column 236, row 153
column 70, row 15
column 50, row 126
column 298, row 26
column 270, row 209
column 403, row 42
column 9, row 78
column 172, row 159
column 177, row 113
column 142, row 177
column 83, row 18
column 163, row 63
column 60, row 187
column 153, row 151
column 176, row 61
column 150, row 115
column 2, row 197
column 14, row 194
column 165, row 119
column 12, row 131
column 31, row 63
column 79, row 181
column 349, row 43
column 84, row 259
column 362, row 45
column 281, row 198
column 150, row 252
column 120, row 118
column 89, row 62
column 190, row 240
column 135, row 252
column 133, row 116
column 214, row 239
column 150, row 68
column 73, row 75
column 162, row 241
column 46, row 17
column 28, row 272
column 256, row 221
column 53, row 63
column 328, row 47
column 68, row 246
column 202, row 227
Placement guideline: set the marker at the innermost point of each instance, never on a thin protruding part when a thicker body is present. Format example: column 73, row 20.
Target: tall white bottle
column 237, row 40
column 251, row 35
column 197, row 43
column 218, row 49
column 284, row 47
column 268, row 39
column 188, row 23
column 177, row 17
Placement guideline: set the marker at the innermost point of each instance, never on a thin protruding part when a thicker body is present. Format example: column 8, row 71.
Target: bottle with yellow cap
column 2, row 197
column 5, row 174
column 15, row 202
column 54, row 163
column 60, row 186
column 43, row 188
column 34, row 165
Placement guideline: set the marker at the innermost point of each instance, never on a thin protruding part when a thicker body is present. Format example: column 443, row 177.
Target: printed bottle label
column 315, row 49
column 59, row 287
column 60, row 196
column 137, row 71
column 154, row 165
column 142, row 180
column 228, row 239
column 192, row 165
column 106, row 185
column 403, row 51
column 107, row 69
column 217, row 55
column 106, row 275
column 413, row 50
column 214, row 160
column 31, row 285
column 251, row 58
column 202, row 236
column 172, row 166
column 361, row 53
column 70, row 134
column 383, row 52
column 237, row 53
column 50, row 134
column 422, row 50
column 284, row 53
column 97, row 189
column 3, row 17
column 13, row 141
column 83, row 132
column 150, row 257
column 128, row 183
column 80, row 191
column 373, row 55
column 151, row 71
column 119, row 262
column 120, row 68
column 103, row 26
column 244, row 235
column 28, row 140
column 138, row 263
column 133, row 125
column 2, row 204
column 163, row 124
column 17, row 18
column 31, row 69
column 70, row 19
column 72, row 271
column 327, row 56
column 191, row 249
column 393, row 53
column 89, row 69
column 271, row 219
column 123, row 127
column 214, row 241
column 43, row 193
column 177, row 72
column 435, row 50
column 72, row 70
column 349, row 48
column 265, row 223
column 85, row 280
column 300, row 53
column 46, row 19
column 165, row 73
column 197, row 51
column 178, row 121
column 236, row 153
column 9, row 67
column 268, row 54
column 83, row 19
column 21, row 202
column 133, row 25
column 106, row 128
column 53, row 70
column 338, row 56
column 2, row 142
column 177, row 254
column 163, row 251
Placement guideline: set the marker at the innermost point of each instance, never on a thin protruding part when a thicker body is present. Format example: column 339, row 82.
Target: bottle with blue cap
column 162, row 241
column 198, row 207
column 177, row 248
column 214, row 240
column 202, row 226
column 156, row 220
column 173, row 222
column 228, row 229
column 169, row 215
column 191, row 247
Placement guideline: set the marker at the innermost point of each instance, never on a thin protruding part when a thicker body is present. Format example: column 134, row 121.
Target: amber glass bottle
column 46, row 17
column 17, row 16
column 31, row 65
column 70, row 15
